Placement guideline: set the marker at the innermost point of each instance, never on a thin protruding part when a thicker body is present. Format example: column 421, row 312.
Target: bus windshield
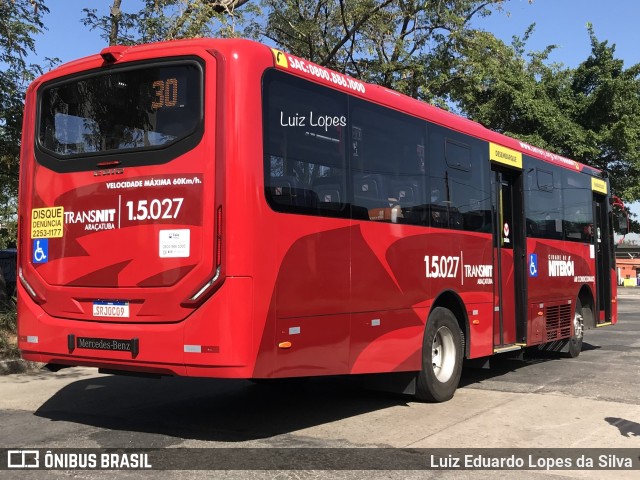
column 124, row 110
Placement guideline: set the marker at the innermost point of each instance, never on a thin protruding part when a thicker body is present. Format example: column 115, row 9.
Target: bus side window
column 328, row 190
column 459, row 185
column 406, row 190
column 388, row 164
column 287, row 190
column 304, row 159
column 543, row 202
column 370, row 190
column 577, row 213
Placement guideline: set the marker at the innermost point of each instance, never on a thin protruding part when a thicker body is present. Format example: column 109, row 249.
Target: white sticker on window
column 175, row 243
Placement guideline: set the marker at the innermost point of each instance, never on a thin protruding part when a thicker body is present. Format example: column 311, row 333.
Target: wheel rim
column 443, row 354
column 577, row 325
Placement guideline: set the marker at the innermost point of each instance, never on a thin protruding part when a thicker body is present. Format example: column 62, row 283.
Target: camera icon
column 23, row 459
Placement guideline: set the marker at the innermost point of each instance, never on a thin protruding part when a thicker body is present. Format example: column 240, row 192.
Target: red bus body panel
column 346, row 296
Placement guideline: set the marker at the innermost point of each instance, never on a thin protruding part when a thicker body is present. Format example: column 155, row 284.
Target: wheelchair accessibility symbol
column 40, row 251
column 533, row 265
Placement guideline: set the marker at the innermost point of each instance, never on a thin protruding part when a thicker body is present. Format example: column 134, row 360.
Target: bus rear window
column 121, row 110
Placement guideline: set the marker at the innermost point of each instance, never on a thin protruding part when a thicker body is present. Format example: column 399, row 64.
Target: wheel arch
column 585, row 295
column 451, row 300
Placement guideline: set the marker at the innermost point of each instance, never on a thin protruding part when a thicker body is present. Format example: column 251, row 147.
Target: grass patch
column 8, row 333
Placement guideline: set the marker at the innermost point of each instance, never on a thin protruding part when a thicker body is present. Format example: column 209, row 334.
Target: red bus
column 219, row 208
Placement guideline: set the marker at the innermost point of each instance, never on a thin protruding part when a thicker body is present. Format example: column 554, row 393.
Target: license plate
column 112, row 309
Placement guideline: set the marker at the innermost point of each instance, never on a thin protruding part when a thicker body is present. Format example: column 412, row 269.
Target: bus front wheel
column 442, row 353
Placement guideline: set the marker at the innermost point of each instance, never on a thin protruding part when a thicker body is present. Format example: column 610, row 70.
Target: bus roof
column 422, row 109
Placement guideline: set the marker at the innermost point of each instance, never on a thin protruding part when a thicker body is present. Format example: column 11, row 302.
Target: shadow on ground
column 627, row 428
column 210, row 409
column 230, row 410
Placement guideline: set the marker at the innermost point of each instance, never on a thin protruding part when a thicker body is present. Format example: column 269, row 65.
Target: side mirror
column 620, row 216
column 621, row 223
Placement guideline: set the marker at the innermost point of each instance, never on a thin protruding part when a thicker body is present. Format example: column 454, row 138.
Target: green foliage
column 590, row 113
column 608, row 107
column 20, row 21
column 8, row 329
column 160, row 20
column 9, row 230
column 412, row 46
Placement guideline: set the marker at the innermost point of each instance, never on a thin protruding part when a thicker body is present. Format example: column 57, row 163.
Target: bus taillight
column 219, row 238
column 39, row 299
column 208, row 288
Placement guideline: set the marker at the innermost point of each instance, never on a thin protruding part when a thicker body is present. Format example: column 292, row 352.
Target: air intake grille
column 558, row 321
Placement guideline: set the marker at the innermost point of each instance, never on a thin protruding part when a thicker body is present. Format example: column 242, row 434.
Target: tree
column 412, row 46
column 20, row 21
column 590, row 113
column 507, row 92
column 607, row 98
column 160, row 20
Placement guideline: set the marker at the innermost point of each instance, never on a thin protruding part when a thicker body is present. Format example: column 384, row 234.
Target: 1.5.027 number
column 156, row 209
column 441, row 267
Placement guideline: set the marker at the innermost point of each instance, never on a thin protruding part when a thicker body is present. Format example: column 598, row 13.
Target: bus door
column 602, row 240
column 509, row 251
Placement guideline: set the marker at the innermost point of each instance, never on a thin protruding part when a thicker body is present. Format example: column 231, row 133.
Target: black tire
column 442, row 354
column 575, row 342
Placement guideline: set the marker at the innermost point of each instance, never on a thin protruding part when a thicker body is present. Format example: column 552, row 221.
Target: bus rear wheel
column 442, row 353
column 575, row 342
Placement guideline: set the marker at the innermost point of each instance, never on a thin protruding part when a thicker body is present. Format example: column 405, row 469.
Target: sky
column 558, row 22
column 564, row 23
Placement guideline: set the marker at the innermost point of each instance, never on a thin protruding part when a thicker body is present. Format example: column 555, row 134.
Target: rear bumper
column 214, row 341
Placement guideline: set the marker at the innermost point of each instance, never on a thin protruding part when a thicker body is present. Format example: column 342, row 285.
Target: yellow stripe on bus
column 598, row 185
column 505, row 156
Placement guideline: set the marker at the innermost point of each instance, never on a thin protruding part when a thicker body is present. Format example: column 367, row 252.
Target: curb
column 8, row 367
